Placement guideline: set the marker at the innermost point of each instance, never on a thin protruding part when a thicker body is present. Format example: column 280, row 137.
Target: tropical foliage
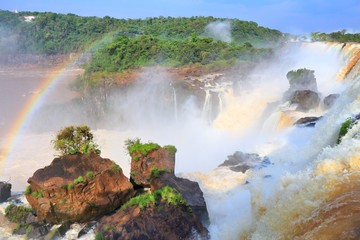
column 52, row 33
column 339, row 36
column 72, row 140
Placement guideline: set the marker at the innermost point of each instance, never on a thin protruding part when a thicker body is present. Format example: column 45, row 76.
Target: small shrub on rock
column 72, row 140
column 135, row 146
column 167, row 194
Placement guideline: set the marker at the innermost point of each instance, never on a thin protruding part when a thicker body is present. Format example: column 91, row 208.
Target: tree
column 72, row 140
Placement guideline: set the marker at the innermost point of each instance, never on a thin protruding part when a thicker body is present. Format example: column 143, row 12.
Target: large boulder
column 305, row 100
column 77, row 188
column 153, row 216
column 144, row 162
column 241, row 162
column 5, row 191
column 188, row 189
column 330, row 100
column 26, row 222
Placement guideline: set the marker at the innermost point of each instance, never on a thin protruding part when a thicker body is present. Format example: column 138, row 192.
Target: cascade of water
column 175, row 105
column 206, row 111
column 296, row 195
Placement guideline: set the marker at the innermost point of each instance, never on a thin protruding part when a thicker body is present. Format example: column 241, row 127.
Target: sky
column 297, row 16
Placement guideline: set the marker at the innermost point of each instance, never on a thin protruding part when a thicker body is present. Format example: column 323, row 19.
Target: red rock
column 162, row 221
column 55, row 198
column 141, row 166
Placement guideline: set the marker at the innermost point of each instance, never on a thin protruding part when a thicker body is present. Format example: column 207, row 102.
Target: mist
column 219, row 31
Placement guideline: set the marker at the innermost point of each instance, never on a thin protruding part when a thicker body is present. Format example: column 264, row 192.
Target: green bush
column 27, row 190
column 115, row 167
column 70, row 186
column 155, row 172
column 135, row 146
column 345, row 127
column 167, row 194
column 38, row 194
column 171, row 148
column 72, row 140
column 99, row 236
column 17, row 214
column 80, row 179
column 90, row 174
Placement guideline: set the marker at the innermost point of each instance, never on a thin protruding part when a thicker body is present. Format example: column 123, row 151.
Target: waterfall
column 175, row 106
column 311, row 190
column 207, row 107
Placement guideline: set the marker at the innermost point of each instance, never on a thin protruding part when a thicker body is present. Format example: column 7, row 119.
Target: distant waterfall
column 352, row 68
column 207, row 107
column 175, row 105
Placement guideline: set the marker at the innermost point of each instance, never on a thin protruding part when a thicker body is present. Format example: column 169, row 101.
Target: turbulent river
column 309, row 191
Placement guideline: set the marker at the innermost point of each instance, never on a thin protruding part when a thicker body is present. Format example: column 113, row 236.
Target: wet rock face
column 5, row 191
column 330, row 100
column 142, row 166
column 188, row 189
column 307, row 121
column 161, row 221
column 305, row 100
column 241, row 162
column 78, row 188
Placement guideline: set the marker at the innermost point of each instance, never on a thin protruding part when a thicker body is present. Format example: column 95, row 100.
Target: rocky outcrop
column 305, row 100
column 143, row 163
column 307, row 121
column 188, row 189
column 330, row 100
column 27, row 222
column 241, row 162
column 5, row 191
column 77, row 188
column 159, row 220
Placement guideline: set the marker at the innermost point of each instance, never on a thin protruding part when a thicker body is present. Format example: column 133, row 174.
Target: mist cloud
column 219, row 31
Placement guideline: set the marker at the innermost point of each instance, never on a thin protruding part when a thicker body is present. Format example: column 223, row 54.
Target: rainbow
column 28, row 111
column 25, row 115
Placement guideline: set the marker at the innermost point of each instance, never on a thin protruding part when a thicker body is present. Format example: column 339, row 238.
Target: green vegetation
column 70, row 186
column 72, row 140
column 90, row 174
column 62, row 201
column 131, row 52
column 17, row 214
column 99, row 236
column 155, row 172
column 51, row 33
column 345, row 127
column 142, row 201
column 302, row 79
column 38, row 194
column 80, row 179
column 339, row 36
column 134, row 173
column 168, row 194
column 29, row 229
column 134, row 146
column 172, row 149
column 116, row 167
column 27, row 190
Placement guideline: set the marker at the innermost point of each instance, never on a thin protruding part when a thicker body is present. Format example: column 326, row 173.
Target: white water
column 299, row 155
